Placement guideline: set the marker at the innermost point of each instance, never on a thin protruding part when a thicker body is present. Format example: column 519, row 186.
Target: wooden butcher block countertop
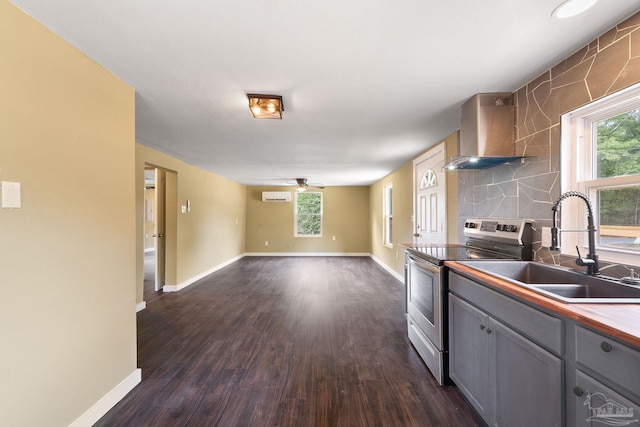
column 621, row 321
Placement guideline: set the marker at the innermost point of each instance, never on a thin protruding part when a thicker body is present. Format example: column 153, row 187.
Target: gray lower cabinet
column 469, row 353
column 595, row 404
column 525, row 381
column 507, row 378
column 606, row 386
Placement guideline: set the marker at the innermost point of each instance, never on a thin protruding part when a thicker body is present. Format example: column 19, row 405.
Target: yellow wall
column 402, row 200
column 67, row 269
column 208, row 236
column 345, row 216
column 402, row 179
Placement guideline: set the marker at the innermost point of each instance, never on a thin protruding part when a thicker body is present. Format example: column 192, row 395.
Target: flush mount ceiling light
column 265, row 106
column 572, row 8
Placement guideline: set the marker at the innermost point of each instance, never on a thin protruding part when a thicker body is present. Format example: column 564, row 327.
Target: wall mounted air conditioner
column 276, row 196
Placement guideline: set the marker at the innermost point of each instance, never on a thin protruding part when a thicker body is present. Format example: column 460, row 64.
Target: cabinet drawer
column 609, row 359
column 431, row 356
column 539, row 327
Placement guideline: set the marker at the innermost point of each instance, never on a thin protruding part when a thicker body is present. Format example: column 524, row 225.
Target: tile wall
column 529, row 189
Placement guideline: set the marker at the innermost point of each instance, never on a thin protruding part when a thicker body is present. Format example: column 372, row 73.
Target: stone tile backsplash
column 528, row 189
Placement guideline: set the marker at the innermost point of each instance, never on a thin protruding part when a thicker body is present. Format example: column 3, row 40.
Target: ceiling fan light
column 301, row 188
column 266, row 106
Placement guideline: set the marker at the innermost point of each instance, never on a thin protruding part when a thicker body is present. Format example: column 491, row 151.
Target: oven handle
column 425, row 265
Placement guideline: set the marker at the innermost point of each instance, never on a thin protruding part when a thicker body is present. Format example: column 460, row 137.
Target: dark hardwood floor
column 149, row 289
column 285, row 341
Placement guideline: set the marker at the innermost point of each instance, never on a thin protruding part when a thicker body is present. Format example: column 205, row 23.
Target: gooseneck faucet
column 591, row 260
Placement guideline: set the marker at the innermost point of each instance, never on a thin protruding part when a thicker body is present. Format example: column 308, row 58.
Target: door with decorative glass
column 430, row 197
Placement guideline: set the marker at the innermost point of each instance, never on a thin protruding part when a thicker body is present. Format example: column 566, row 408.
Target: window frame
column 577, row 145
column 295, row 214
column 387, row 215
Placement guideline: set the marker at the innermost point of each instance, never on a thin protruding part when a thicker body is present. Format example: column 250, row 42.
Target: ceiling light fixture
column 302, row 184
column 265, row 106
column 572, row 8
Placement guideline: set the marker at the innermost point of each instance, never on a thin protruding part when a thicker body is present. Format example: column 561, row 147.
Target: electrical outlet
column 266, row 243
column 333, row 237
column 546, row 237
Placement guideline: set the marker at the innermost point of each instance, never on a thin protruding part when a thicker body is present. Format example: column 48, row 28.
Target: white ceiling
column 367, row 84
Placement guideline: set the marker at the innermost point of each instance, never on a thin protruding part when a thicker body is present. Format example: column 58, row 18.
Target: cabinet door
column 468, row 353
column 526, row 381
column 597, row 405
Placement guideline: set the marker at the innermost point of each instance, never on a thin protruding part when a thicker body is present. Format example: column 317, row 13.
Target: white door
column 160, row 229
column 430, row 193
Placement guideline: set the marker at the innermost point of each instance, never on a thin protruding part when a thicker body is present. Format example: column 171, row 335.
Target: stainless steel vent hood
column 486, row 132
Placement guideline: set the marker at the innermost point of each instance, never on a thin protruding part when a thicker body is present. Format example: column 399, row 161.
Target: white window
column 308, row 214
column 387, row 215
column 601, row 158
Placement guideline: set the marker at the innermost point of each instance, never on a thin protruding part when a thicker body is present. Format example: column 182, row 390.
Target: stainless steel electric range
column 426, row 280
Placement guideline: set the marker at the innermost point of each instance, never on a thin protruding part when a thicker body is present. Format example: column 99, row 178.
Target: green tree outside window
column 308, row 214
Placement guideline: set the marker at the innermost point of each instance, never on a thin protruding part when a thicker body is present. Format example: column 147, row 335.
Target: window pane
column 308, row 203
column 618, row 145
column 308, row 214
column 308, row 225
column 620, row 218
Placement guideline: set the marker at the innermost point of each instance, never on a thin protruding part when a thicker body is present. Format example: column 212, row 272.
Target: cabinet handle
column 605, row 346
column 482, row 327
column 578, row 391
column 489, row 331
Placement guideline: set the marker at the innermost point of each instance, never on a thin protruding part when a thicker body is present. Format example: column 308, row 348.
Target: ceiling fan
column 303, row 185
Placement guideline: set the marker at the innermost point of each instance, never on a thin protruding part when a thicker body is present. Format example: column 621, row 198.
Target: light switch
column 11, row 195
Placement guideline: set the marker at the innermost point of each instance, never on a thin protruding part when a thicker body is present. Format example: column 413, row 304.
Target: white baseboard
column 307, row 254
column 191, row 281
column 389, row 269
column 101, row 407
column 141, row 306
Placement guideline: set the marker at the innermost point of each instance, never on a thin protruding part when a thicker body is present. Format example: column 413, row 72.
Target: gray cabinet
column 595, row 404
column 507, row 377
column 606, row 385
column 469, row 353
column 526, row 381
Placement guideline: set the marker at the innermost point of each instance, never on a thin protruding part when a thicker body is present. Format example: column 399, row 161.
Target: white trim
column 578, row 166
column 307, row 254
column 191, row 281
column 295, row 214
column 109, row 400
column 147, row 250
column 141, row 306
column 388, row 269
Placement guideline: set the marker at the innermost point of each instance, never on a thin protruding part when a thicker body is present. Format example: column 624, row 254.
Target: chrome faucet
column 591, row 260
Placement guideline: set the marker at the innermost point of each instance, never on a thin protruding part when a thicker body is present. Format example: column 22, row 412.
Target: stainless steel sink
column 560, row 283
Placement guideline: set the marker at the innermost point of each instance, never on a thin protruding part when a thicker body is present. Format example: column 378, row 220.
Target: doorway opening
column 160, row 231
column 150, row 260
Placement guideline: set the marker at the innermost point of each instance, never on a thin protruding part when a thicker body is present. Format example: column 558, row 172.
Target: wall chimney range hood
column 486, row 132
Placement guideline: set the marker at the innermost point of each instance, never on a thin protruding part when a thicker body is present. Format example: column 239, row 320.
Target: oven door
column 424, row 298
